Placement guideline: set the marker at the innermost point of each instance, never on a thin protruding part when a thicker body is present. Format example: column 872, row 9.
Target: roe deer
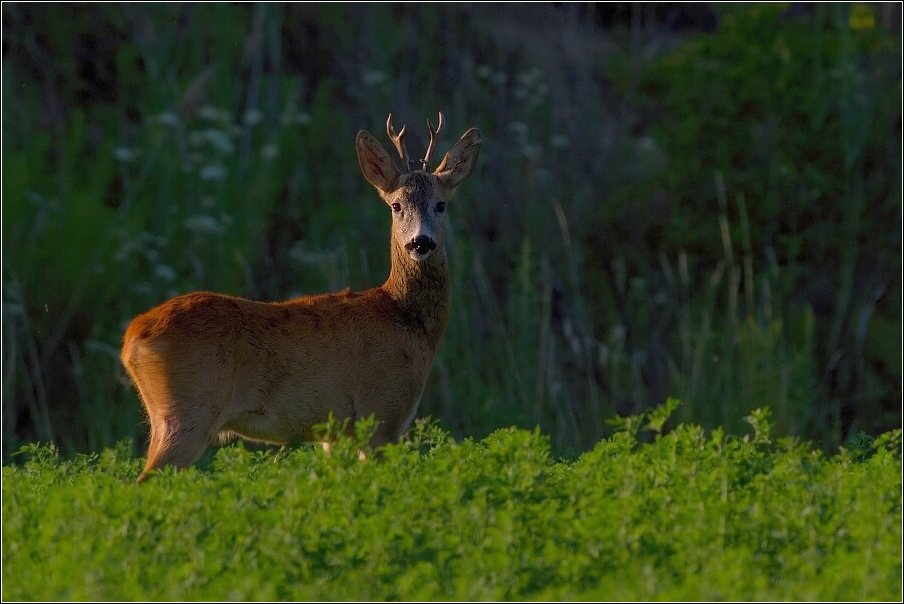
column 210, row 365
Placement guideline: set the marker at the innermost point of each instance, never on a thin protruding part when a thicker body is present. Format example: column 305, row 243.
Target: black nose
column 421, row 244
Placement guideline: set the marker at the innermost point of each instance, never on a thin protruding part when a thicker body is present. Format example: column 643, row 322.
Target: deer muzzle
column 420, row 247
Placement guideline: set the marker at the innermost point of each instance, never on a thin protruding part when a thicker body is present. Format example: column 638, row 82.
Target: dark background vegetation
column 698, row 201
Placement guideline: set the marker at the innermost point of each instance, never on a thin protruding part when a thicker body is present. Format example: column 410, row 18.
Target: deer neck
column 421, row 289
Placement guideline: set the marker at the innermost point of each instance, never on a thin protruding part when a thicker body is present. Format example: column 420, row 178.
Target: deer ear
column 460, row 160
column 375, row 162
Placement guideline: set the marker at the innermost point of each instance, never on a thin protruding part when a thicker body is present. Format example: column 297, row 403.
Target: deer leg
column 180, row 429
column 176, row 442
column 327, row 449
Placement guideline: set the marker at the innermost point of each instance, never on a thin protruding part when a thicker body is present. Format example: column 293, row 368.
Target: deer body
column 212, row 366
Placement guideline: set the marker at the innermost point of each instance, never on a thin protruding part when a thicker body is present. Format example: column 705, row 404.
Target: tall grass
column 211, row 147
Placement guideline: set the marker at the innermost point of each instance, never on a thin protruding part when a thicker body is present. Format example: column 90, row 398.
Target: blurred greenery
column 698, row 201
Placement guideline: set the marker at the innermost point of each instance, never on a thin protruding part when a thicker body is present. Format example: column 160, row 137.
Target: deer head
column 417, row 198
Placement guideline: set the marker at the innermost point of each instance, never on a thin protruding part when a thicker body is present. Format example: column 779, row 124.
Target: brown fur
column 211, row 366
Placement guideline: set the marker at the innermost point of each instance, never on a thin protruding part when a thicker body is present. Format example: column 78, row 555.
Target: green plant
column 689, row 515
column 791, row 109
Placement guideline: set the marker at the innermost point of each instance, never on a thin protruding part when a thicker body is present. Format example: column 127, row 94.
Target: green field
column 645, row 515
column 689, row 200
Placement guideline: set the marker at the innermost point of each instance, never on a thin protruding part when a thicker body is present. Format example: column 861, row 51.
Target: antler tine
column 434, row 139
column 399, row 141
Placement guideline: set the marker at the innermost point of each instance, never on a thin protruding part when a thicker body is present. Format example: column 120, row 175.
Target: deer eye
column 396, row 207
column 441, row 207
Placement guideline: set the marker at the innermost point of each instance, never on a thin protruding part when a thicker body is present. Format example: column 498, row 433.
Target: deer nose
column 421, row 245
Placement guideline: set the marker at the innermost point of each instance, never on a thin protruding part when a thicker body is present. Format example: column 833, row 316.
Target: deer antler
column 399, row 141
column 434, row 138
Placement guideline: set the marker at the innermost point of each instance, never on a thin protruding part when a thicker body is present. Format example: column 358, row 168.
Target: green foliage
column 717, row 227
column 749, row 101
column 748, row 105
column 653, row 419
column 685, row 517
